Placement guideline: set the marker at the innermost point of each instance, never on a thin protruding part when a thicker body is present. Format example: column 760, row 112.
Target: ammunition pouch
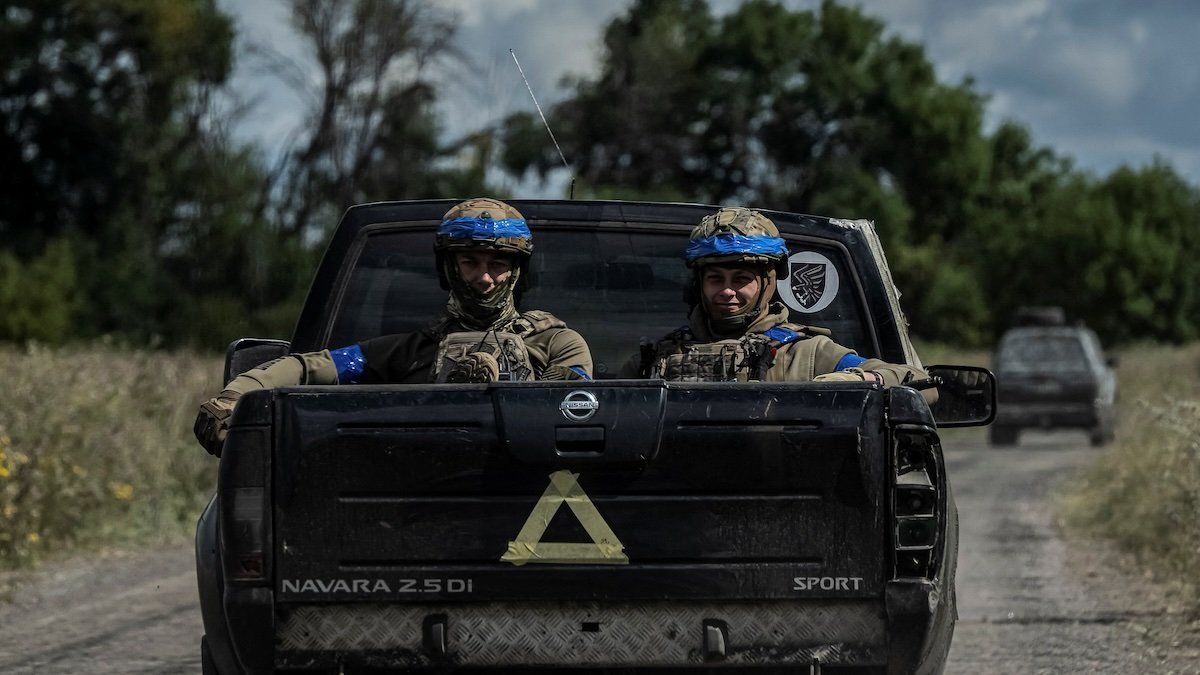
column 508, row 349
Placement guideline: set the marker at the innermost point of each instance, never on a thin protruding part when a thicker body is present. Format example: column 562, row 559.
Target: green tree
column 127, row 210
column 811, row 111
column 37, row 298
column 94, row 96
column 105, row 142
column 371, row 133
column 1119, row 253
column 822, row 111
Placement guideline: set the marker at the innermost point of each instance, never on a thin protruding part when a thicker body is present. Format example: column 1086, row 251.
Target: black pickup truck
column 613, row 524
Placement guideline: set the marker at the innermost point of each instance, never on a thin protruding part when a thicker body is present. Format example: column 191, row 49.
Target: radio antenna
column 566, row 166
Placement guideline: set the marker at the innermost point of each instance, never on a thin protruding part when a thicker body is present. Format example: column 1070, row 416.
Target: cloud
column 274, row 109
column 476, row 13
column 1105, row 82
column 551, row 39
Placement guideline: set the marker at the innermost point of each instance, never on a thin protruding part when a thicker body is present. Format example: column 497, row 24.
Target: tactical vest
column 506, row 346
column 744, row 359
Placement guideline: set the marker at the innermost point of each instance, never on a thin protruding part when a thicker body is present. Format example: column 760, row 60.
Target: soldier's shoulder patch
column 536, row 321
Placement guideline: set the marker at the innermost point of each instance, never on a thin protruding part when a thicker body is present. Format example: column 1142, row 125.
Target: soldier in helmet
column 482, row 252
column 736, row 332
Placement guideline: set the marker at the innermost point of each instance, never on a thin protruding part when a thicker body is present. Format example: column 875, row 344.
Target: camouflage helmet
column 735, row 234
column 484, row 224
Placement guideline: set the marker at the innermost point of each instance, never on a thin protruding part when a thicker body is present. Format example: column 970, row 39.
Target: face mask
column 478, row 309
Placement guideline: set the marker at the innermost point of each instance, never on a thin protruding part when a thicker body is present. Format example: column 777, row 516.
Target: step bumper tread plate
column 846, row 632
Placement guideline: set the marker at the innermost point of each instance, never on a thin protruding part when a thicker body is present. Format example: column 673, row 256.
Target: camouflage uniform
column 481, row 337
column 756, row 343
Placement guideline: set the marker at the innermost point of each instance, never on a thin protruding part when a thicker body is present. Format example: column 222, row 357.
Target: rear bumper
column 582, row 634
column 1047, row 415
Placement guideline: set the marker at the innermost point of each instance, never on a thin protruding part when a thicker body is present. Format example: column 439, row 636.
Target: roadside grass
column 96, row 448
column 1143, row 492
column 938, row 353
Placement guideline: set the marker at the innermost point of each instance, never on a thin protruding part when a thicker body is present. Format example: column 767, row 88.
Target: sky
column 1107, row 82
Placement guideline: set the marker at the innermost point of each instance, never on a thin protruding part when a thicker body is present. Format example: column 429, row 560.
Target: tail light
column 918, row 500
column 245, row 498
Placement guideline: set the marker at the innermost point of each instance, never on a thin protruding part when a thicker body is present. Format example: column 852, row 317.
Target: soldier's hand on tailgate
column 850, row 375
column 212, row 423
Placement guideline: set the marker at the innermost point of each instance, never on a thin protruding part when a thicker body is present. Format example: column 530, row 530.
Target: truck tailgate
column 709, row 492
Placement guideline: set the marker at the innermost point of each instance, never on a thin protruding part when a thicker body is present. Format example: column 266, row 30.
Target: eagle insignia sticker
column 811, row 283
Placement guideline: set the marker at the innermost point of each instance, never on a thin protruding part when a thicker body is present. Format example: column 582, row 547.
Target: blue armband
column 850, row 360
column 350, row 363
column 580, row 372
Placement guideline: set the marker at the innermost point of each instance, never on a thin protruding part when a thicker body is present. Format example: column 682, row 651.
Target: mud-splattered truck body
column 616, row 523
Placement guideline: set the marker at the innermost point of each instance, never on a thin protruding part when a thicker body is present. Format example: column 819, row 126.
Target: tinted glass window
column 1042, row 354
column 614, row 287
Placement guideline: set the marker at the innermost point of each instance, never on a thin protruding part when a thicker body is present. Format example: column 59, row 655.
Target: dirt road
column 115, row 614
column 1029, row 602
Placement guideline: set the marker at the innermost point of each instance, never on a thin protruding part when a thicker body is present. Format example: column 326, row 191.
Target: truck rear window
column 614, row 286
column 1042, row 354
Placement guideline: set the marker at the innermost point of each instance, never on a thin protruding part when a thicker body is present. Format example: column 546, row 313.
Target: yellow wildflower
column 3, row 471
column 122, row 491
column 33, row 537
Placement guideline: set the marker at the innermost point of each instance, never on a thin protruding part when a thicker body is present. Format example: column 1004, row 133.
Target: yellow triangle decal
column 605, row 548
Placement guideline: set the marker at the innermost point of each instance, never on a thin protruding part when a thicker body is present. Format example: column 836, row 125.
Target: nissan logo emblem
column 579, row 405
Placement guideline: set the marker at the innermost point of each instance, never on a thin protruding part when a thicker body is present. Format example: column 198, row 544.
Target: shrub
column 96, row 447
column 37, row 298
column 1144, row 491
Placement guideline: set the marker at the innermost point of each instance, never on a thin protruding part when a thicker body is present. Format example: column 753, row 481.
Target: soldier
column 736, row 332
column 482, row 253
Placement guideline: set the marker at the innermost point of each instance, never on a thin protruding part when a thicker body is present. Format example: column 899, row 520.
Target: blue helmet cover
column 734, row 244
column 474, row 227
